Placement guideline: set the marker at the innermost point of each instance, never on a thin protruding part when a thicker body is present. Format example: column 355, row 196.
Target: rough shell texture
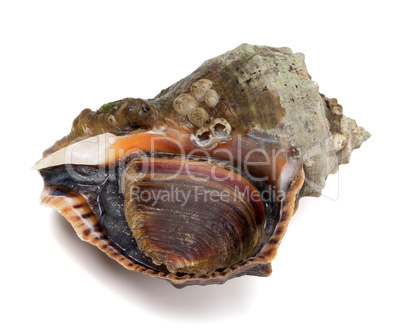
column 256, row 99
column 259, row 86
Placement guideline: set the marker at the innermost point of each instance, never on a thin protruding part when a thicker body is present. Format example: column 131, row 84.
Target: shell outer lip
column 75, row 209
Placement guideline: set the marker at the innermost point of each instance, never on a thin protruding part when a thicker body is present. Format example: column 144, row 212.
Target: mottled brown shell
column 252, row 99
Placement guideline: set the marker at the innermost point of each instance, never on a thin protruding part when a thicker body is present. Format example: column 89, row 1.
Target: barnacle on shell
column 198, row 185
column 198, row 117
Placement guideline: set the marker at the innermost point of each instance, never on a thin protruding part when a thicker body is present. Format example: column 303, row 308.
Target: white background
column 338, row 269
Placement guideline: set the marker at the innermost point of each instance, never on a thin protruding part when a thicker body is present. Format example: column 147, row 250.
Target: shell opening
column 220, row 128
column 203, row 137
column 111, row 119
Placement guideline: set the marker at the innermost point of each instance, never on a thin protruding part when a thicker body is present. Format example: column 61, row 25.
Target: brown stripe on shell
column 78, row 213
column 200, row 234
column 268, row 252
column 259, row 265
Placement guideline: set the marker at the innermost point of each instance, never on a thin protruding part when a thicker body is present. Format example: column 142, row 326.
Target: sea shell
column 143, row 180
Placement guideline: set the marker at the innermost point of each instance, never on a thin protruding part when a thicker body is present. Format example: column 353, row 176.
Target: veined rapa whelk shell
column 223, row 157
